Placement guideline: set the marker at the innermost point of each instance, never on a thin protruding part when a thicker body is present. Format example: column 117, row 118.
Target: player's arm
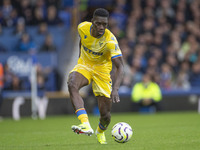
column 117, row 76
column 79, row 48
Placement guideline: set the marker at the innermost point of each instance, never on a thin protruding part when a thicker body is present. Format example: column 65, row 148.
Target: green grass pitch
column 161, row 131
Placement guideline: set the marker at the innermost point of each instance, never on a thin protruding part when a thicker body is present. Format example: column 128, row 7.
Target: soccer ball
column 121, row 132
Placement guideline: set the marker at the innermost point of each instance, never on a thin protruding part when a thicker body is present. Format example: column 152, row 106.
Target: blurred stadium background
column 38, row 38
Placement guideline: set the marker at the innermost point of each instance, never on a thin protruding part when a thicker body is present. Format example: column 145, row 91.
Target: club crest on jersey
column 85, row 36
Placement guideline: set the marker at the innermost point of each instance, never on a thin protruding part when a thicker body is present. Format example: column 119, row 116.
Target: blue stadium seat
column 32, row 31
column 9, row 42
column 8, row 31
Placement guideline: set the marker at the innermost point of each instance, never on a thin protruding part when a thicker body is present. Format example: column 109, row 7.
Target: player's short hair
column 101, row 12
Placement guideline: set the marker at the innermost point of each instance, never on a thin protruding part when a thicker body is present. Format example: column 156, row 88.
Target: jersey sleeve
column 79, row 29
column 115, row 51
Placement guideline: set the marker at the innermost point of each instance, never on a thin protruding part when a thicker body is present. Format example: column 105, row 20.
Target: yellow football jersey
column 96, row 53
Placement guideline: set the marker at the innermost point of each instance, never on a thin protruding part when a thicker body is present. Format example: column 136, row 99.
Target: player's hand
column 115, row 96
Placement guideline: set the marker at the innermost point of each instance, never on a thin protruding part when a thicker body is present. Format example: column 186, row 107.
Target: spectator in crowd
column 2, row 48
column 66, row 17
column 166, row 77
column 6, row 9
column 38, row 16
column 11, row 81
column 153, row 68
column 25, row 10
column 11, row 20
column 43, row 29
column 190, row 49
column 40, row 81
column 46, row 78
column 41, row 99
column 127, row 79
column 7, row 76
column 182, row 81
column 138, row 58
column 20, row 27
column 26, row 44
column 119, row 17
column 195, row 75
column 52, row 16
column 41, row 4
column 16, row 84
column 48, row 45
column 165, row 9
column 1, row 17
column 171, row 60
column 147, row 94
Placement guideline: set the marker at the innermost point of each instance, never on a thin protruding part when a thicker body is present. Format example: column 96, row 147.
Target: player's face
column 99, row 25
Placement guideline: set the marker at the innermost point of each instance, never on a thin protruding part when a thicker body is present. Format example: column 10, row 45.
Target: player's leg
column 75, row 82
column 102, row 90
column 105, row 105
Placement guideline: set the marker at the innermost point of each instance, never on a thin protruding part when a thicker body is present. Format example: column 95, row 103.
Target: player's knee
column 71, row 86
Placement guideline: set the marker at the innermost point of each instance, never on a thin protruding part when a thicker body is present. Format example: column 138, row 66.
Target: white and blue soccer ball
column 122, row 132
